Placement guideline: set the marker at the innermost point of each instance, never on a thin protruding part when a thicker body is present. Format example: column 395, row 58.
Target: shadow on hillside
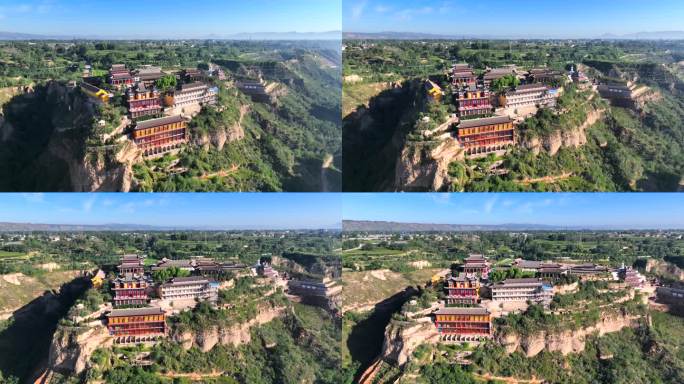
column 25, row 343
column 370, row 141
column 366, row 338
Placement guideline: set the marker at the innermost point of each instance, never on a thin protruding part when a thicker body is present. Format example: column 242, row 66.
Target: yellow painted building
column 95, row 92
column 434, row 91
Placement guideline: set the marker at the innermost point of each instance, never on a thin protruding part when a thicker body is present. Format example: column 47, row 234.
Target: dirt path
column 327, row 163
column 545, row 179
column 221, row 173
column 194, row 376
column 508, row 380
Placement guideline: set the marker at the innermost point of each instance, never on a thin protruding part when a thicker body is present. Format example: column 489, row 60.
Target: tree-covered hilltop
column 290, row 142
column 583, row 145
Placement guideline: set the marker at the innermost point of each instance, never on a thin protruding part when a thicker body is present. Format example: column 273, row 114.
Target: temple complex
column 159, row 136
column 473, row 102
column 131, row 264
column 194, row 93
column 486, row 135
column 195, row 287
column 143, row 101
column 551, row 271
column 531, row 289
column 476, row 265
column 462, row 290
column 148, row 75
column 462, row 75
column 544, row 75
column 463, row 324
column 529, row 95
column 131, row 289
column 119, row 76
column 137, row 325
column 631, row 276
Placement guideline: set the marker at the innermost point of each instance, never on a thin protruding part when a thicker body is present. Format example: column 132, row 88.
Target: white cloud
column 88, row 204
column 489, row 205
column 382, row 9
column 34, row 197
column 409, row 13
column 358, row 9
column 441, row 198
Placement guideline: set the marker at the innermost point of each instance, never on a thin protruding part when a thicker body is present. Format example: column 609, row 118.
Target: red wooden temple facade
column 158, row 136
column 137, row 325
column 486, row 135
column 462, row 290
column 143, row 101
column 463, row 324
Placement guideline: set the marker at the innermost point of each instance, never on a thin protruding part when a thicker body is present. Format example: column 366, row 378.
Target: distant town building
column 434, row 91
column 463, row 324
column 473, row 102
column 131, row 289
column 529, row 95
column 143, row 101
column 195, row 287
column 532, row 289
column 136, row 325
column 462, row 290
column 486, row 135
column 159, row 136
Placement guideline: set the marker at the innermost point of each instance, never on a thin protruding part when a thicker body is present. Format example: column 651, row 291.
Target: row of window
column 135, row 319
column 475, row 318
column 162, row 128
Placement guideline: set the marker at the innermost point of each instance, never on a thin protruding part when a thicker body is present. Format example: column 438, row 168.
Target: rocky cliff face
column 72, row 348
column 235, row 335
column 664, row 268
column 423, row 169
column 401, row 339
column 565, row 342
column 222, row 135
column 573, row 138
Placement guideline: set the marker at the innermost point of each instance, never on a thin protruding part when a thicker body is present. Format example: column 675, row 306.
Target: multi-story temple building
column 131, row 289
column 119, row 76
column 194, row 93
column 148, row 75
column 544, row 75
column 463, row 324
column 631, row 276
column 462, row 290
column 143, row 101
column 497, row 73
column 462, row 75
column 551, row 271
column 131, row 264
column 473, row 102
column 158, row 136
column 486, row 135
column 588, row 270
column 136, row 325
column 529, row 95
column 532, row 289
column 195, row 287
column 476, row 265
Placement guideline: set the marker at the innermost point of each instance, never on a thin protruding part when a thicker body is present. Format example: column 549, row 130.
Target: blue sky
column 224, row 210
column 514, row 18
column 168, row 18
column 623, row 210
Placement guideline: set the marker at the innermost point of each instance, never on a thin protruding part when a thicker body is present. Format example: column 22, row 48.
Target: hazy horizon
column 551, row 19
column 169, row 19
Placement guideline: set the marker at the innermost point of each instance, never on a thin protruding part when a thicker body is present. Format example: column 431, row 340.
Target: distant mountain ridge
column 293, row 35
column 41, row 227
column 391, row 35
column 391, row 226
